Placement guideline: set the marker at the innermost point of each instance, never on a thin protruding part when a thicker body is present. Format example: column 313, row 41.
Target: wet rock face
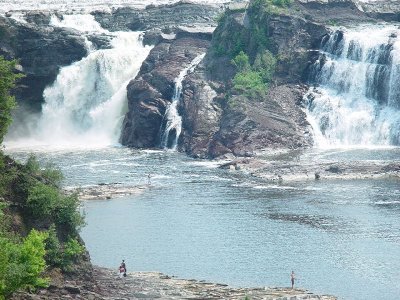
column 163, row 16
column 41, row 52
column 151, row 92
column 213, row 127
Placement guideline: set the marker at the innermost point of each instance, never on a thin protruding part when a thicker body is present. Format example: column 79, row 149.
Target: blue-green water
column 197, row 221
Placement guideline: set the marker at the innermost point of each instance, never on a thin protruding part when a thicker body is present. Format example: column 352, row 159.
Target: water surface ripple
column 197, row 221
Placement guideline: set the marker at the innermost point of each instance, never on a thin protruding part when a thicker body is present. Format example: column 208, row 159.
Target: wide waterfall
column 356, row 98
column 173, row 127
column 85, row 105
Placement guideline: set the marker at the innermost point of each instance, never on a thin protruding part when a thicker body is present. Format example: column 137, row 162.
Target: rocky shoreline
column 107, row 285
column 289, row 166
column 107, row 191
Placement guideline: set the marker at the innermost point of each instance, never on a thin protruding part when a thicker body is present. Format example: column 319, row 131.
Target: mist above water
column 85, row 105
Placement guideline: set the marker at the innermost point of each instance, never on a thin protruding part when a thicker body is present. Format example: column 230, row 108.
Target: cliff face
column 177, row 14
column 152, row 90
column 41, row 52
column 218, row 120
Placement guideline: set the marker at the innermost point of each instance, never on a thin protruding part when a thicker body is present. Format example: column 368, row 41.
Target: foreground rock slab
column 106, row 285
column 152, row 285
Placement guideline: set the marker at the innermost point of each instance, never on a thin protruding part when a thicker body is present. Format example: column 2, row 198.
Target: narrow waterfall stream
column 173, row 127
column 357, row 98
column 85, row 105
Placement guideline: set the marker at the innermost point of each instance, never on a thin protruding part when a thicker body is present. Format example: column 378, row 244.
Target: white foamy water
column 80, row 22
column 85, row 106
column 174, row 120
column 357, row 100
column 86, row 6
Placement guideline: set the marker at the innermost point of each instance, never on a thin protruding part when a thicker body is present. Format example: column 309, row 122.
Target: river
column 341, row 237
column 194, row 220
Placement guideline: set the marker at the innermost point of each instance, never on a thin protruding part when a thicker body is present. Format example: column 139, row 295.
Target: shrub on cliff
column 253, row 80
column 62, row 256
column 22, row 263
column 46, row 201
column 7, row 102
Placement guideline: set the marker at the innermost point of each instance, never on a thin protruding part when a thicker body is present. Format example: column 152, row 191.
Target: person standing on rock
column 292, row 278
column 149, row 179
column 123, row 266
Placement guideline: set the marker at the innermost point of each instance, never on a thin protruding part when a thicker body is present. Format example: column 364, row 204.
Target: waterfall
column 356, row 97
column 173, row 127
column 85, row 105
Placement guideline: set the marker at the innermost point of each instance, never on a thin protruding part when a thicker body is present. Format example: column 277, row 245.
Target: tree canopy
column 8, row 77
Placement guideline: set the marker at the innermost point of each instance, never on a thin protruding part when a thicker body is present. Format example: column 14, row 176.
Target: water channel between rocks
column 341, row 237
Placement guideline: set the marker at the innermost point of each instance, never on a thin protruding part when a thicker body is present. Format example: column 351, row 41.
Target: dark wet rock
column 334, row 169
column 163, row 16
column 152, row 90
column 41, row 52
column 388, row 10
column 333, row 12
column 72, row 289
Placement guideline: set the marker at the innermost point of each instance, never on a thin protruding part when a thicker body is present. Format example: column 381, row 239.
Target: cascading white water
column 85, row 105
column 357, row 98
column 173, row 119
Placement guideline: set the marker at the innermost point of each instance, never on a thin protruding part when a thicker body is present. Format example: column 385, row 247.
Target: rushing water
column 198, row 221
column 357, row 100
column 87, row 102
column 173, row 126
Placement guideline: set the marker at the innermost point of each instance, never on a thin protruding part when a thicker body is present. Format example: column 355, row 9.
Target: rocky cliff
column 151, row 92
column 41, row 52
column 217, row 119
column 42, row 49
column 164, row 16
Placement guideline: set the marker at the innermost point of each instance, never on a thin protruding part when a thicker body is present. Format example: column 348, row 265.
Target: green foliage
column 66, row 212
column 253, row 80
column 282, row 3
column 53, row 248
column 21, row 264
column 241, row 62
column 265, row 64
column 8, row 174
column 72, row 250
column 50, row 174
column 46, row 201
column 250, row 83
column 62, row 256
column 42, row 200
column 7, row 102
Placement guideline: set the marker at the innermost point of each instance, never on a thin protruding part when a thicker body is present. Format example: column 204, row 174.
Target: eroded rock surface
column 152, row 90
column 41, row 52
column 163, row 16
column 154, row 285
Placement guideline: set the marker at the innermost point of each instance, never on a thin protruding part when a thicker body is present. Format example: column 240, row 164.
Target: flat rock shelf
column 155, row 285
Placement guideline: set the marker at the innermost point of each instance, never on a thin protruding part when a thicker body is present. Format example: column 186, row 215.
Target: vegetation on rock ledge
column 38, row 223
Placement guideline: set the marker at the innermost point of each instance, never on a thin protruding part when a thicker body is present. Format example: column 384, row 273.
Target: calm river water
column 198, row 221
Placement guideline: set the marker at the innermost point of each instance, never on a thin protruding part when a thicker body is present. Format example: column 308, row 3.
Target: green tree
column 265, row 63
column 7, row 102
column 21, row 264
column 241, row 62
column 42, row 200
